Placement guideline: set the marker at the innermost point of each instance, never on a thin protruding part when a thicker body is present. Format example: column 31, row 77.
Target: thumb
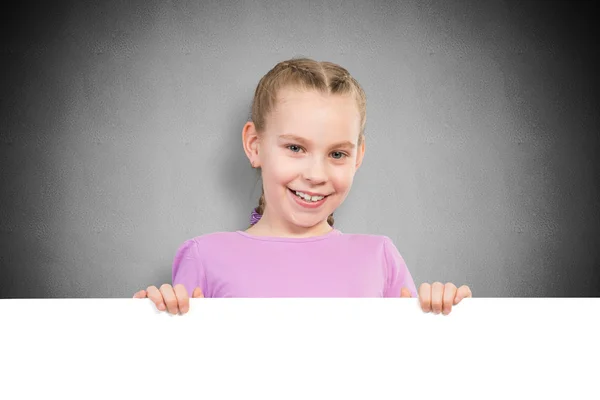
column 405, row 292
column 197, row 293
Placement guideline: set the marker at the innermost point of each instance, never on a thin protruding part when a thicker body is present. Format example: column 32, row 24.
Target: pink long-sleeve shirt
column 237, row 264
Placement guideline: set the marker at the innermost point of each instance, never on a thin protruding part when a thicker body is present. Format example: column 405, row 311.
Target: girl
column 307, row 137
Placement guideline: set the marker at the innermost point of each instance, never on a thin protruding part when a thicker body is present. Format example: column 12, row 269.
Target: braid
column 297, row 68
column 330, row 220
column 261, row 205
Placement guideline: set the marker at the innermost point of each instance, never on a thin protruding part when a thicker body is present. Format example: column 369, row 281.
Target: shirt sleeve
column 188, row 269
column 398, row 275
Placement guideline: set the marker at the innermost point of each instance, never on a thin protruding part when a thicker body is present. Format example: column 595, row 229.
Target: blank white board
column 299, row 349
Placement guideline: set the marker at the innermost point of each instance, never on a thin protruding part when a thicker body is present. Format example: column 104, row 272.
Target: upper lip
column 309, row 193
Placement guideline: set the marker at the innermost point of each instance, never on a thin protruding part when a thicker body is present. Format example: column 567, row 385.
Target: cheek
column 342, row 178
column 279, row 169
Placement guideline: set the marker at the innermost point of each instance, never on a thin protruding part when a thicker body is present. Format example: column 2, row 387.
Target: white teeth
column 308, row 197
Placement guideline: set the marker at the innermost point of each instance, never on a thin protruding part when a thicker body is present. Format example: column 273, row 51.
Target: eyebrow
column 346, row 144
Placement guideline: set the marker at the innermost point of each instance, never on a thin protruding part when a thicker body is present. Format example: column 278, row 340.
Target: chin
column 307, row 219
column 305, row 222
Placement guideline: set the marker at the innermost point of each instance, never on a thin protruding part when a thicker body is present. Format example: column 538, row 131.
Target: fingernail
column 161, row 307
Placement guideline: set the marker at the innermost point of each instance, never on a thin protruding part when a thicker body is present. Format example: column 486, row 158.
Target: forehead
column 315, row 115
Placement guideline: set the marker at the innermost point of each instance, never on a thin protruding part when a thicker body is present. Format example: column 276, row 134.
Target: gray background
column 121, row 136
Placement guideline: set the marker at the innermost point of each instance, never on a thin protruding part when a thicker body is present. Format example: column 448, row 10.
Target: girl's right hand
column 174, row 300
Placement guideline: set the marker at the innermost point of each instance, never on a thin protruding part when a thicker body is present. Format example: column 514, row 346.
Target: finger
column 169, row 298
column 425, row 297
column 197, row 293
column 437, row 293
column 449, row 296
column 405, row 292
column 463, row 292
column 156, row 297
column 140, row 294
column 183, row 299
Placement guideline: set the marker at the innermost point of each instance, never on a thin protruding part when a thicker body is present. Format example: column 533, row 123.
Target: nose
column 315, row 172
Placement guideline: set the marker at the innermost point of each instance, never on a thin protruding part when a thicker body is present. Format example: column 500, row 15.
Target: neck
column 271, row 227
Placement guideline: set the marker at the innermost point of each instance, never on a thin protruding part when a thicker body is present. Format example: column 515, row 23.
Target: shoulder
column 366, row 240
column 214, row 241
column 379, row 245
column 216, row 238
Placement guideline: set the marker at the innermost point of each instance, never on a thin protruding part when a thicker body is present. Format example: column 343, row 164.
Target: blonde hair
column 305, row 74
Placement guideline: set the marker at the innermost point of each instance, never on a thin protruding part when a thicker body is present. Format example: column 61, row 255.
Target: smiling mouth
column 307, row 197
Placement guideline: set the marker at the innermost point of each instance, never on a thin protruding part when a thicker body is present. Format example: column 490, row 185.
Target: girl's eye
column 338, row 155
column 294, row 148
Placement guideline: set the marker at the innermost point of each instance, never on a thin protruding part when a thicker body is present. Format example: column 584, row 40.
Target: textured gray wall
column 121, row 137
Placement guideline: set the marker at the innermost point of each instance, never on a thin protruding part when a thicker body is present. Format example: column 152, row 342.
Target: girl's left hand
column 438, row 297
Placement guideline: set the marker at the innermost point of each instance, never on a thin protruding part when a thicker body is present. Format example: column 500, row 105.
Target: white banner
column 299, row 349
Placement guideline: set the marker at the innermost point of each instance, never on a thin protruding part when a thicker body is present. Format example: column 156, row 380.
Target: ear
column 250, row 143
column 361, row 153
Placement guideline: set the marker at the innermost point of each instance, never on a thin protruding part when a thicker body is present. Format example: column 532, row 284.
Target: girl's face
column 308, row 154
